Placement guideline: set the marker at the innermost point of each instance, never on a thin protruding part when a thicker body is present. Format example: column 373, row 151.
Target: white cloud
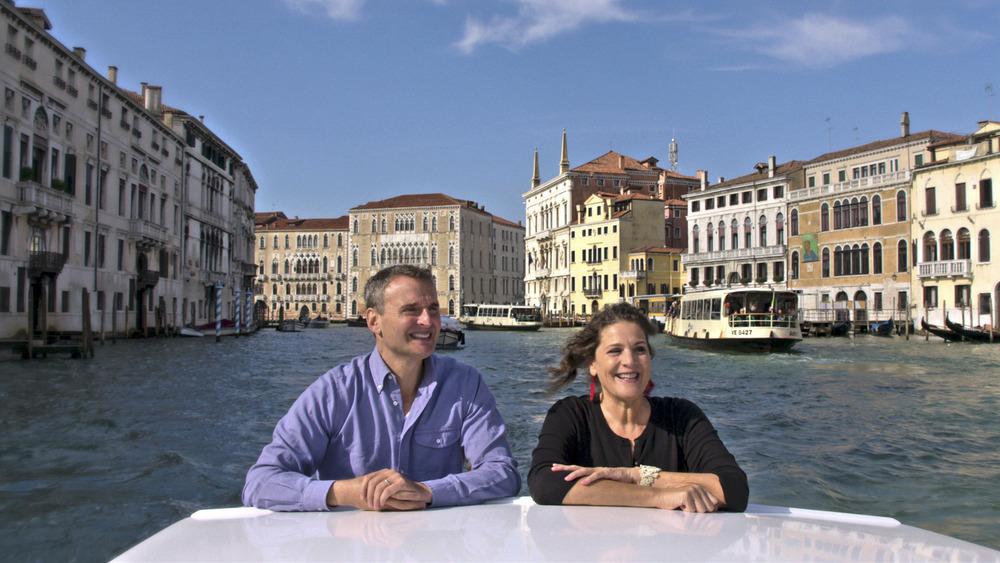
column 818, row 40
column 539, row 20
column 344, row 10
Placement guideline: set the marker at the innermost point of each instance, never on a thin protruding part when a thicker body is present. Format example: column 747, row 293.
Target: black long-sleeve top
column 678, row 438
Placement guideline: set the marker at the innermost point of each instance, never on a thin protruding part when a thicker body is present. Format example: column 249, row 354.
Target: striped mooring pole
column 218, row 311
column 246, row 320
column 239, row 311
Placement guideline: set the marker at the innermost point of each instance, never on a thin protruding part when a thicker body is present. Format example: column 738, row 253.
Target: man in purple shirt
column 393, row 429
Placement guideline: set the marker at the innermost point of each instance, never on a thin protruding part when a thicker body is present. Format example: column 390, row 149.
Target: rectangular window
column 100, row 250
column 963, row 295
column 826, row 178
column 930, row 297
column 8, row 151
column 878, row 300
column 747, row 197
column 6, row 224
column 762, row 194
column 986, row 193
column 86, row 248
column 100, row 301
column 695, row 206
column 720, row 201
column 4, row 299
column 930, row 201
column 65, row 301
column 121, row 255
column 960, row 204
column 779, row 192
column 985, row 305
column 842, row 176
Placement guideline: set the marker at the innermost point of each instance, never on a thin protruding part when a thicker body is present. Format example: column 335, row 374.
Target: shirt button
column 395, row 404
column 438, row 440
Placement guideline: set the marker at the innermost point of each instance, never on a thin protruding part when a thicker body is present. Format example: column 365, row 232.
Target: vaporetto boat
column 517, row 529
column 736, row 319
column 500, row 317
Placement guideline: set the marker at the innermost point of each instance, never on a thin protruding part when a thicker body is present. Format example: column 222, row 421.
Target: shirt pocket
column 437, row 439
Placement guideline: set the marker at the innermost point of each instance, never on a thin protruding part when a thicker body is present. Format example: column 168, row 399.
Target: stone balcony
column 945, row 269
column 757, row 252
column 147, row 234
column 43, row 203
column 633, row 275
column 45, row 263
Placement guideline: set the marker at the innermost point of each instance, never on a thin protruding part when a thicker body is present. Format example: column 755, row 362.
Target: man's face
column 407, row 328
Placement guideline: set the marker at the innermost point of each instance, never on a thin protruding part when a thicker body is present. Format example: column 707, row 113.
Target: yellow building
column 849, row 228
column 301, row 268
column 955, row 218
column 608, row 227
column 653, row 270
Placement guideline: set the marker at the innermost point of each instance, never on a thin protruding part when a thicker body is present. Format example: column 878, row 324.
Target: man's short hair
column 375, row 287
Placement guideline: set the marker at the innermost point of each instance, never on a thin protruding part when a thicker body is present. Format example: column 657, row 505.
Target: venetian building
column 737, row 229
column 95, row 196
column 850, row 244
column 301, row 265
column 607, row 229
column 550, row 209
column 654, row 270
column 474, row 256
column 954, row 223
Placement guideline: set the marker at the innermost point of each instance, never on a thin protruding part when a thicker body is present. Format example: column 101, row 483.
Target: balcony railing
column 759, row 252
column 147, row 279
column 848, row 186
column 591, row 293
column 36, row 199
column 148, row 232
column 945, row 269
column 634, row 274
column 41, row 263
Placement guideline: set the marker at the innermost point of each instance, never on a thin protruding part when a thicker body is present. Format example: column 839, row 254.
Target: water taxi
column 736, row 319
column 451, row 336
column 501, row 317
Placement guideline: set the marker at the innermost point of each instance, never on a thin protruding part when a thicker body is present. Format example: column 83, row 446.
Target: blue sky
column 334, row 103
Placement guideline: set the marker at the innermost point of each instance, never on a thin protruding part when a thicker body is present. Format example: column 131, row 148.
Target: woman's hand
column 594, row 474
column 689, row 498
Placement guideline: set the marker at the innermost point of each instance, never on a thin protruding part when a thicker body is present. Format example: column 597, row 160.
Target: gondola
column 944, row 333
column 971, row 334
column 883, row 328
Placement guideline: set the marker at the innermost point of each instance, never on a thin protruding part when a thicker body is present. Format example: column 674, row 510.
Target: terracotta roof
column 779, row 170
column 412, row 200
column 675, row 202
column 930, row 135
column 503, row 221
column 610, row 163
column 296, row 224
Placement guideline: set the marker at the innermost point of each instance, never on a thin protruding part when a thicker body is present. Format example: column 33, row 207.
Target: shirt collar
column 381, row 373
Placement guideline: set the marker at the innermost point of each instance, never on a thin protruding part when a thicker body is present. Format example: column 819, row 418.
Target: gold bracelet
column 648, row 474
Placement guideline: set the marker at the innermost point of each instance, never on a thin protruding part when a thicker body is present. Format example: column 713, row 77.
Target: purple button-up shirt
column 350, row 422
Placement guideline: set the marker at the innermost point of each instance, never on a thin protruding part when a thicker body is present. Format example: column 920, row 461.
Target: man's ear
column 374, row 322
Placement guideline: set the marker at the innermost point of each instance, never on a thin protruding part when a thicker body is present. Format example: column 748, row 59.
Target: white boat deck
column 519, row 530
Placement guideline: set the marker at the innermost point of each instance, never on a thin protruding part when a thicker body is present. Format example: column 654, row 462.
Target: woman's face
column 622, row 361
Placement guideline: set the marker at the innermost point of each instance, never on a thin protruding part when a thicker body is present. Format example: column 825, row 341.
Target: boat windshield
column 526, row 314
column 761, row 308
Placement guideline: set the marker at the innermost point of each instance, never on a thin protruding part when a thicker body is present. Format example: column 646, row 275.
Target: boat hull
column 737, row 344
column 944, row 333
column 520, row 530
column 970, row 334
column 522, row 327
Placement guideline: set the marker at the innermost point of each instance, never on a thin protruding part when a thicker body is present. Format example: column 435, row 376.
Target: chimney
column 579, row 213
column 142, row 88
column 721, row 179
column 80, row 52
column 201, row 118
column 621, row 161
column 904, row 122
column 770, row 166
column 703, row 176
column 154, row 98
column 113, row 75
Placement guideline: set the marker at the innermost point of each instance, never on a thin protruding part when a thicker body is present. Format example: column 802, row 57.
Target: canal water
column 96, row 455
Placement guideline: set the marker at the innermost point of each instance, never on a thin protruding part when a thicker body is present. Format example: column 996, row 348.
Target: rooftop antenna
column 673, row 155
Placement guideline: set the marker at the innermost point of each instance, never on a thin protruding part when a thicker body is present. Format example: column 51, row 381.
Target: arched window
column 793, row 223
column 326, row 241
column 964, row 246
column 877, row 258
column 451, row 256
column 863, row 210
column 748, row 233
column 288, row 266
column 735, row 234
column 451, row 223
column 287, row 242
column 824, row 217
column 355, row 229
column 838, row 222
column 425, row 223
column 451, row 283
column 826, row 262
column 710, row 237
column 354, row 259
column 865, row 264
column 984, row 246
column 694, row 239
column 901, row 214
column 722, row 236
column 795, row 265
column 930, row 247
column 763, row 230
column 947, row 245
column 434, row 223
column 262, row 243
column 274, row 266
column 901, row 257
column 779, row 228
column 374, row 258
column 275, row 242
column 876, row 210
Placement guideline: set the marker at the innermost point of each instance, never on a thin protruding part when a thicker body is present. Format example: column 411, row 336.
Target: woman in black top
column 621, row 447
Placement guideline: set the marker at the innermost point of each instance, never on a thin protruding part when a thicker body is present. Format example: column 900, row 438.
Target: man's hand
column 385, row 489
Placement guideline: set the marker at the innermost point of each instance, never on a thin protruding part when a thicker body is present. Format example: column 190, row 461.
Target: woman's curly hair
column 581, row 348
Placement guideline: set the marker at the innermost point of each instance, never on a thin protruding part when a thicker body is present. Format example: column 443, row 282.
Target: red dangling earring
column 592, row 379
column 649, row 389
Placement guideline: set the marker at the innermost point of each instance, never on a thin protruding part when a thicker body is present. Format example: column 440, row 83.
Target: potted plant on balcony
column 745, row 280
column 778, row 279
column 707, row 283
column 760, row 280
